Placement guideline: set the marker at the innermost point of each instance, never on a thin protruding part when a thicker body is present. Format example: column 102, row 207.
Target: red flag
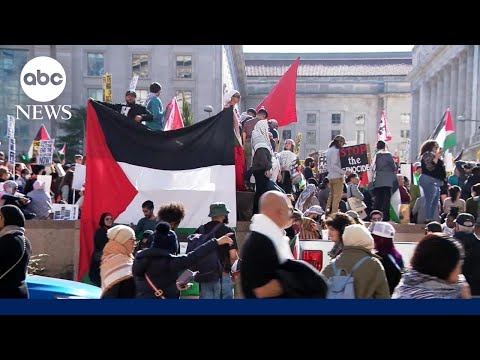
column 174, row 120
column 383, row 132
column 280, row 103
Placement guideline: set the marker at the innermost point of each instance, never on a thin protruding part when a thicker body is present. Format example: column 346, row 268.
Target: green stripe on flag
column 395, row 202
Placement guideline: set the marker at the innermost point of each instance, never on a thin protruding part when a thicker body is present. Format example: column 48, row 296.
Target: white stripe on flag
column 196, row 189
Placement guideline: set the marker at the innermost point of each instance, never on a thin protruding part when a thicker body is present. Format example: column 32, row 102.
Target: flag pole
column 439, row 126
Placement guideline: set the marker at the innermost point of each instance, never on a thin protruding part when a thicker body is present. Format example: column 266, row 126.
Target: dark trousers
column 382, row 201
column 261, row 187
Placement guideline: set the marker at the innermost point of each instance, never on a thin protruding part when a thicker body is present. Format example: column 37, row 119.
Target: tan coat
column 370, row 281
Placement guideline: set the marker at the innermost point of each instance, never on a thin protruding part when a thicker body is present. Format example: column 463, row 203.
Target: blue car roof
column 43, row 287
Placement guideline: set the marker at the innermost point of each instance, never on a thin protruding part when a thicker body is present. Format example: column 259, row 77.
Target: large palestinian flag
column 128, row 164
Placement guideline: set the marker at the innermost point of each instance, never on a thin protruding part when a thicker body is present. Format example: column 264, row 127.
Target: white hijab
column 227, row 99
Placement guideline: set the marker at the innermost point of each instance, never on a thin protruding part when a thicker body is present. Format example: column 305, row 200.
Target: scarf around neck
column 262, row 224
column 116, row 265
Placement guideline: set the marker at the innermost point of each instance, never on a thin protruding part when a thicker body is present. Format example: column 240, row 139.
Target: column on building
column 424, row 109
column 415, row 124
column 430, row 120
column 453, row 96
column 446, row 88
column 468, row 94
column 439, row 106
column 461, row 90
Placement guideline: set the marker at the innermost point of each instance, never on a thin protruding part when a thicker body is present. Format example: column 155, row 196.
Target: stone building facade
column 200, row 72
column 446, row 76
column 339, row 94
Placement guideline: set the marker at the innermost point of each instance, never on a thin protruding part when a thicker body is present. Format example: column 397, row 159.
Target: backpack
column 209, row 267
column 341, row 286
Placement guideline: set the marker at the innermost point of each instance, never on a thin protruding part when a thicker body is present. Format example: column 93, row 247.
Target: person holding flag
column 433, row 175
column 231, row 99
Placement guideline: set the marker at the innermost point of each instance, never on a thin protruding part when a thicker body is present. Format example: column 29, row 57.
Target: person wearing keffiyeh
column 117, row 261
column 262, row 160
column 307, row 198
column 436, row 271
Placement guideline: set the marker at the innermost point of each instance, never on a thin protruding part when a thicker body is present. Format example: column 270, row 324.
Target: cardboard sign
column 322, row 161
column 10, row 126
column 79, row 176
column 107, row 87
column 47, row 148
column 11, row 150
column 65, row 212
column 133, row 83
column 355, row 158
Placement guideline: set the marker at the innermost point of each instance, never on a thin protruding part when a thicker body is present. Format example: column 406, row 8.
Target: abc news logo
column 43, row 79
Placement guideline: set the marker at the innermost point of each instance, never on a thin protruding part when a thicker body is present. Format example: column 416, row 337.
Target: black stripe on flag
column 207, row 143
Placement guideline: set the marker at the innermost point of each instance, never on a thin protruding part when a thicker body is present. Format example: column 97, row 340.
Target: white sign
column 65, row 212
column 133, row 83
column 11, row 150
column 322, row 161
column 79, row 176
column 10, row 126
column 47, row 179
column 183, row 247
column 46, row 152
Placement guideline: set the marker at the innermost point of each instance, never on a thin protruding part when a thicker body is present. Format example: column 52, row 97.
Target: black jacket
column 471, row 263
column 125, row 289
column 13, row 285
column 299, row 279
column 99, row 241
column 163, row 269
column 260, row 264
column 130, row 111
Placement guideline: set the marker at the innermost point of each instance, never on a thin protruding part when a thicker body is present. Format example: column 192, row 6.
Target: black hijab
column 102, row 219
column 12, row 215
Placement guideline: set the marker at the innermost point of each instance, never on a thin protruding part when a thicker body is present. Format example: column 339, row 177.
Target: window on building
column 286, row 134
column 336, row 118
column 184, row 66
column 335, row 133
column 360, row 119
column 140, row 65
column 141, row 96
column 405, row 119
column 311, row 137
column 95, row 64
column 403, row 155
column 12, row 62
column 311, row 119
column 405, row 134
column 360, row 136
column 182, row 95
column 96, row 94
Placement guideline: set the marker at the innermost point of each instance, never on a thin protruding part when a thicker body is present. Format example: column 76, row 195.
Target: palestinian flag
column 395, row 202
column 35, row 147
column 129, row 164
column 444, row 133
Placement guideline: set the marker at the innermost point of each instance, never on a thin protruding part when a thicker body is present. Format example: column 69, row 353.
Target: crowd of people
column 293, row 201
